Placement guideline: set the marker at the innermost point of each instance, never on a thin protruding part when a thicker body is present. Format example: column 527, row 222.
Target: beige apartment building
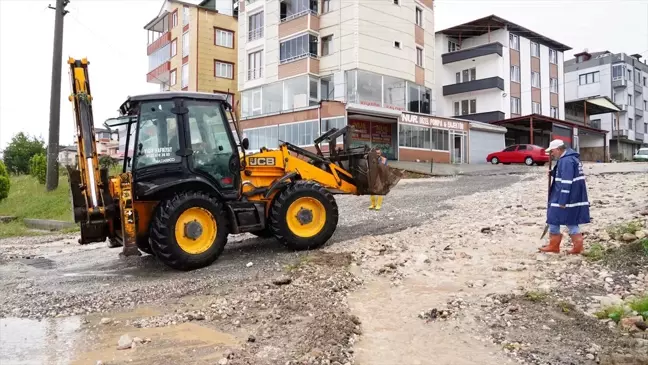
column 310, row 65
column 193, row 47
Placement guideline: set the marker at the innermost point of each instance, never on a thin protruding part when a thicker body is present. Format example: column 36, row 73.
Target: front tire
column 528, row 161
column 304, row 216
column 189, row 231
column 494, row 160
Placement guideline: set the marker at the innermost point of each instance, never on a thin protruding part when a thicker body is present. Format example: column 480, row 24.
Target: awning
column 595, row 105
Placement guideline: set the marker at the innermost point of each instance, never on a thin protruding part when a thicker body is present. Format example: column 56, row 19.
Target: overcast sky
column 111, row 35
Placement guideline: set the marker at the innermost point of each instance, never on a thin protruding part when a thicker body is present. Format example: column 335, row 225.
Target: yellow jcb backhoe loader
column 187, row 183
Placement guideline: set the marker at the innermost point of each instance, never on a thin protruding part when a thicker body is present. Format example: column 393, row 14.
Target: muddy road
column 356, row 301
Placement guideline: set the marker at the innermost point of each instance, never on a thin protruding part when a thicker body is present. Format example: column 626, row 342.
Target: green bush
column 5, row 183
column 38, row 167
column 20, row 151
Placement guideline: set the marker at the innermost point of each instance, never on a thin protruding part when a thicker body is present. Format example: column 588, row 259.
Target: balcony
column 623, row 133
column 159, row 75
column 298, row 66
column 639, row 113
column 298, row 16
column 474, row 52
column 639, row 136
column 486, row 117
column 476, row 85
column 638, row 89
column 619, row 83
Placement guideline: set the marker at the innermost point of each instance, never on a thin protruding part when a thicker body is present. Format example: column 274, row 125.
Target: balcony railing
column 619, row 83
column 620, row 133
column 296, row 58
column 255, row 34
column 475, row 85
column 298, row 15
column 255, row 73
column 638, row 88
column 474, row 52
column 639, row 113
column 639, row 136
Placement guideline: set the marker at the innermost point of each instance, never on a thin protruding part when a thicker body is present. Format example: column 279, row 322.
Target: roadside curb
column 7, row 218
column 47, row 225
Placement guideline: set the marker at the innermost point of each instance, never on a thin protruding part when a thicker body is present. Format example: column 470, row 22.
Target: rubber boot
column 554, row 244
column 577, row 242
column 373, row 202
column 379, row 202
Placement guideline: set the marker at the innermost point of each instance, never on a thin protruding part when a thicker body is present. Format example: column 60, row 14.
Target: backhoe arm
column 88, row 186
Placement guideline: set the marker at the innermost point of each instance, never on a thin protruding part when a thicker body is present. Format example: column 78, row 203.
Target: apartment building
column 193, row 47
column 310, row 65
column 621, row 78
column 491, row 69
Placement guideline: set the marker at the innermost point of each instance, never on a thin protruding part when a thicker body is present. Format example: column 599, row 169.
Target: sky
column 111, row 35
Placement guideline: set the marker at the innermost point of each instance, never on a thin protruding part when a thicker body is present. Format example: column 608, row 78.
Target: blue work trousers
column 555, row 229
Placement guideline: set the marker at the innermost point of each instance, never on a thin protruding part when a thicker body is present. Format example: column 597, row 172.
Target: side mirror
column 245, row 143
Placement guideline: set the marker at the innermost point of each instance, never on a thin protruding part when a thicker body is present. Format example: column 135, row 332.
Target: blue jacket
column 568, row 189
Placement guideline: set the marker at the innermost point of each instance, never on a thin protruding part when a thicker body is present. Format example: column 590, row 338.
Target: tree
column 20, row 150
column 5, row 183
column 107, row 162
column 38, row 167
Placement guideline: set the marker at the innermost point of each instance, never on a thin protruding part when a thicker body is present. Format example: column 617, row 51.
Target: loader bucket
column 372, row 177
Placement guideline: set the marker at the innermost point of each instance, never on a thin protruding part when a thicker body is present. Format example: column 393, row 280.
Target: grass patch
column 536, row 296
column 29, row 199
column 16, row 229
column 641, row 306
column 595, row 253
column 629, row 257
column 614, row 313
column 617, row 231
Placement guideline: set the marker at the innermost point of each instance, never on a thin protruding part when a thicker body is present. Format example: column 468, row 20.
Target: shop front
column 378, row 133
column 423, row 138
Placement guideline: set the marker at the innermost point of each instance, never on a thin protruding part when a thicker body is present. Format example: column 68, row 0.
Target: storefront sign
column 432, row 122
column 381, row 134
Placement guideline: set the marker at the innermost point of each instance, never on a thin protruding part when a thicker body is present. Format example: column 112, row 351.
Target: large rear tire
column 304, row 216
column 189, row 231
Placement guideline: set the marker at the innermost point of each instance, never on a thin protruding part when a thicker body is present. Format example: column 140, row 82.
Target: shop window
column 440, row 139
column 327, row 88
column 351, row 88
column 338, row 123
column 262, row 137
column 369, row 88
column 300, row 134
column 272, row 97
column 295, row 93
column 394, row 90
column 414, row 137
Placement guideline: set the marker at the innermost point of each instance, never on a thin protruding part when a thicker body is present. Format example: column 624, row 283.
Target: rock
column 629, row 323
column 282, row 280
column 590, row 357
column 486, row 230
column 137, row 340
column 610, row 300
column 628, row 237
column 641, row 325
column 222, row 361
column 251, row 338
column 106, row 320
column 125, row 342
column 249, row 264
column 641, row 234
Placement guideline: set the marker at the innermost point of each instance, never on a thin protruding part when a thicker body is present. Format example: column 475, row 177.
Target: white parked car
column 642, row 155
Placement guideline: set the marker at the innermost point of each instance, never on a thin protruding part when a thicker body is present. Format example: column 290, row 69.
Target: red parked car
column 520, row 153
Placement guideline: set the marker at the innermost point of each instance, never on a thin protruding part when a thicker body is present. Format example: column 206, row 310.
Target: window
column 414, row 137
column 173, row 77
column 629, row 74
column 326, row 6
column 224, row 38
column 394, row 93
column 174, row 47
column 645, row 105
column 515, row 73
column 535, row 49
column 457, row 108
column 536, row 108
column 418, row 98
column 291, row 9
column 645, row 81
column 419, row 17
column 295, row 93
column 596, row 123
column 397, row 44
column 510, row 148
column 223, row 69
column 637, row 79
column 514, row 42
column 185, row 75
column 617, row 72
column 465, row 107
column 535, row 79
column 158, row 141
column 553, row 56
column 300, row 134
column 440, row 139
column 255, row 26
column 174, row 19
column 419, row 57
column 210, row 141
column 262, row 137
column 327, row 88
column 255, row 65
column 554, row 85
column 458, row 77
column 630, row 123
column 396, row 2
column 554, row 112
column 516, row 106
column 297, row 48
column 327, row 45
column 337, row 123
column 469, row 75
column 630, row 99
column 185, row 15
column 453, row 46
column 185, row 44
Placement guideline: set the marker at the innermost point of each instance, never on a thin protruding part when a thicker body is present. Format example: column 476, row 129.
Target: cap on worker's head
column 556, row 143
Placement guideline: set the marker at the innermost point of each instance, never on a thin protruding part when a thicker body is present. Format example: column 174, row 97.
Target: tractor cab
column 173, row 139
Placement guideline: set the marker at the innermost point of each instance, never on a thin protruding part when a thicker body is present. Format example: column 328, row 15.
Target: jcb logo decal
column 262, row 161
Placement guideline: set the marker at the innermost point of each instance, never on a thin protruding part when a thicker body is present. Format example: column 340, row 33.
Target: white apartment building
column 624, row 80
column 491, row 69
column 306, row 66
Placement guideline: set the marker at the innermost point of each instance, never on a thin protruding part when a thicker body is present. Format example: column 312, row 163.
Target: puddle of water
column 31, row 342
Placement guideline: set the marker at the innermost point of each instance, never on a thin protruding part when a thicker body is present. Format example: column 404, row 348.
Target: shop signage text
column 432, row 122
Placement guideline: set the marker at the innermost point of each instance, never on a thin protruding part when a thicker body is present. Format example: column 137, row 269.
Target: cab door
column 213, row 150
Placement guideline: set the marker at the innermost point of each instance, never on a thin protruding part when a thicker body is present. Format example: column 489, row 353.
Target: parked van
column 642, row 155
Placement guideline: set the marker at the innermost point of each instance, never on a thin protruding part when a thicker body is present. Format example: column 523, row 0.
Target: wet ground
column 55, row 292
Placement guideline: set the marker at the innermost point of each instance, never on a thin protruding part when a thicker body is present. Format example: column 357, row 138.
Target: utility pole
column 55, row 96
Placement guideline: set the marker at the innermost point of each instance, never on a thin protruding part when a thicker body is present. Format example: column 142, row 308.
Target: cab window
column 158, row 135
